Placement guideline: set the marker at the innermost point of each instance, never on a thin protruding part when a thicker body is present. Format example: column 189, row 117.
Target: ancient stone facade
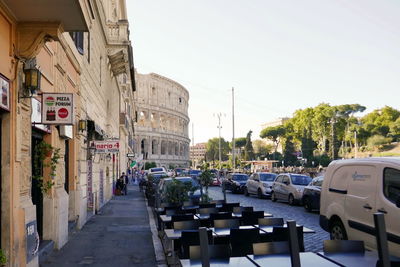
column 161, row 130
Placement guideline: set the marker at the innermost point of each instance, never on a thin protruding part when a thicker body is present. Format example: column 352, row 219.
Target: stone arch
column 154, row 147
column 142, row 120
column 164, row 147
column 181, row 149
column 176, row 149
column 154, row 120
column 170, row 148
column 144, row 145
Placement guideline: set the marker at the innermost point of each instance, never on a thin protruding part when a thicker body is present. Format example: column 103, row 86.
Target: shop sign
column 130, row 155
column 111, row 146
column 58, row 108
column 32, row 241
column 5, row 93
column 36, row 117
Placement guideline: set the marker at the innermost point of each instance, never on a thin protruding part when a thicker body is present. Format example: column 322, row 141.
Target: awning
column 68, row 12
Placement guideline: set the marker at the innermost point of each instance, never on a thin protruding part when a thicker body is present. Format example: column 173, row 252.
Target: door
column 285, row 191
column 37, row 195
column 251, row 183
column 388, row 195
column 360, row 202
column 66, row 162
column 277, row 186
column 1, row 163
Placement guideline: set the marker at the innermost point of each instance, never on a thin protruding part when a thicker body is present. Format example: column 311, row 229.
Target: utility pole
column 233, row 129
column 219, row 140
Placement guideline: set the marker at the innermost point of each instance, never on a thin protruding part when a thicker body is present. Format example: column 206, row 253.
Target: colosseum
column 162, row 121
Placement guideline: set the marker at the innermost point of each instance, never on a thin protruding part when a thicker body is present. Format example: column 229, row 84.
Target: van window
column 391, row 184
column 279, row 179
column 339, row 179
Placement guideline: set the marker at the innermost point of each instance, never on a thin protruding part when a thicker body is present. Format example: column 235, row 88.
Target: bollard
column 294, row 244
column 381, row 239
column 205, row 257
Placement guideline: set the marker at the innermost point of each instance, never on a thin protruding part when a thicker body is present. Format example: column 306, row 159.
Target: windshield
column 300, row 179
column 267, row 177
column 195, row 172
column 318, row 181
column 239, row 177
column 156, row 170
column 189, row 180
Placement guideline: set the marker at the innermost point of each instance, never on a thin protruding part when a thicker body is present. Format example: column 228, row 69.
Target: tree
column 248, row 149
column 274, row 133
column 212, row 149
column 289, row 152
column 261, row 150
column 240, row 143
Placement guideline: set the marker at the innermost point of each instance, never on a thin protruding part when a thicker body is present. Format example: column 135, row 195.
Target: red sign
column 63, row 113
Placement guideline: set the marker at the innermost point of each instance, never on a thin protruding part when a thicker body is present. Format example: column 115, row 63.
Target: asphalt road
column 312, row 242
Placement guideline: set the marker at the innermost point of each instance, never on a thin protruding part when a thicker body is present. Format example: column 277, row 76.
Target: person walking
column 125, row 181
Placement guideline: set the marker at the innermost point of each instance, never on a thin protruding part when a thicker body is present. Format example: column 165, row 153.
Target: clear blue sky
column 279, row 56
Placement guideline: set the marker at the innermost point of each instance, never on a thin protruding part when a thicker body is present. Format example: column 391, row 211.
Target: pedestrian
column 125, row 181
column 119, row 186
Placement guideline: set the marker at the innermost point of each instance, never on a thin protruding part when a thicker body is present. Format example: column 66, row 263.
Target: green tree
column 275, row 134
column 212, row 149
column 240, row 143
column 289, row 152
column 261, row 150
column 249, row 151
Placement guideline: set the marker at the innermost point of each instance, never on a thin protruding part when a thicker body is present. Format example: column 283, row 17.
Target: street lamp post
column 219, row 115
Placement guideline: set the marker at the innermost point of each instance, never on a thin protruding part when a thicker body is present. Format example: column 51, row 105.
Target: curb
column 158, row 248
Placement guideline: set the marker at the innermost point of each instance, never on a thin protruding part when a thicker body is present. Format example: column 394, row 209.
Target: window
column 180, row 100
column 391, row 184
column 279, row 179
column 285, row 180
column 77, row 37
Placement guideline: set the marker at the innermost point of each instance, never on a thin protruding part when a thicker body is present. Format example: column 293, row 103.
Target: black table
column 366, row 259
column 233, row 261
column 282, row 260
column 269, row 229
column 227, row 231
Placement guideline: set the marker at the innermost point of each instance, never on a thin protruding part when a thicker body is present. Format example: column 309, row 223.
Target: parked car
column 157, row 170
column 312, row 194
column 260, row 184
column 193, row 195
column 235, row 182
column 194, row 173
column 289, row 187
column 352, row 191
column 216, row 181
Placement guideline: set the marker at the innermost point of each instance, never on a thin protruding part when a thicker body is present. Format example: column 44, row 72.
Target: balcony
column 68, row 12
column 118, row 32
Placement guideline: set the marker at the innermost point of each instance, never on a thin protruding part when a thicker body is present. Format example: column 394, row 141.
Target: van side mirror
column 286, row 182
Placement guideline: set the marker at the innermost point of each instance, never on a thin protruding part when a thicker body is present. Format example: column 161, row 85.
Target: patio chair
column 270, row 221
column 181, row 217
column 187, row 225
column 207, row 205
column 240, row 209
column 227, row 223
column 251, row 217
column 220, row 216
column 344, row 246
column 268, row 248
column 207, row 210
column 242, row 241
column 214, row 251
column 191, row 238
column 228, row 207
column 280, row 233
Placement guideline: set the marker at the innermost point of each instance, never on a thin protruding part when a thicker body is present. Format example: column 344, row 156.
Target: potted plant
column 205, row 180
column 176, row 192
column 3, row 258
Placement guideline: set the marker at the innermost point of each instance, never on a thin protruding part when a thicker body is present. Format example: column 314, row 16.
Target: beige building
column 198, row 153
column 274, row 123
column 82, row 49
column 161, row 128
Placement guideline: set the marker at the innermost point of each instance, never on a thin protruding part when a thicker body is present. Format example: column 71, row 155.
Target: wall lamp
column 32, row 80
column 108, row 157
column 82, row 124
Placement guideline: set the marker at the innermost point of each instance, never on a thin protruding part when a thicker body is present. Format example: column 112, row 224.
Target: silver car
column 260, row 184
column 289, row 187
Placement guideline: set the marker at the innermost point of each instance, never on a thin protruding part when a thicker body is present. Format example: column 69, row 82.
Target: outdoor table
column 239, row 215
column 233, row 261
column 227, row 231
column 368, row 258
column 269, row 229
column 234, row 215
column 306, row 259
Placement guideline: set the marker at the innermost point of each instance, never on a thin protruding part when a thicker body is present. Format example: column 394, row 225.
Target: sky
column 278, row 55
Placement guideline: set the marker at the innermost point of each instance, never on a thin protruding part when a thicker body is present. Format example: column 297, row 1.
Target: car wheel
column 291, row 200
column 337, row 231
column 259, row 193
column 273, row 197
column 245, row 192
column 307, row 204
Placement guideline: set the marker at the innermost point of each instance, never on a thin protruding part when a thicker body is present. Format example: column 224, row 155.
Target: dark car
column 195, row 173
column 235, row 182
column 312, row 194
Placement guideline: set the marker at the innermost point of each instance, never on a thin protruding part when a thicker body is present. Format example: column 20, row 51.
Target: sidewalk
column 121, row 235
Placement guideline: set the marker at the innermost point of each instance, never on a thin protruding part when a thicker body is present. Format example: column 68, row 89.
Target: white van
column 353, row 190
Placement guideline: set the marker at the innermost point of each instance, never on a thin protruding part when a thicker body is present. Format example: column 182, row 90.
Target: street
column 312, row 242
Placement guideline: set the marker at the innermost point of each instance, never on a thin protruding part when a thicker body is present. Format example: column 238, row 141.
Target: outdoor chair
column 220, row 216
column 214, row 251
column 207, row 205
column 228, row 207
column 280, row 233
column 251, row 217
column 207, row 210
column 242, row 241
column 270, row 221
column 344, row 246
column 181, row 217
column 227, row 223
column 189, row 211
column 191, row 238
column 240, row 209
column 187, row 225
column 218, row 201
column 268, row 248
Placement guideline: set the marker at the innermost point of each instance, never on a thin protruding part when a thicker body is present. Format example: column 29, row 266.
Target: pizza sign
column 57, row 109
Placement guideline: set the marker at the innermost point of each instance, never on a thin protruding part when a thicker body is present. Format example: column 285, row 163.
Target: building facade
column 274, row 123
column 198, row 153
column 47, row 172
column 162, row 121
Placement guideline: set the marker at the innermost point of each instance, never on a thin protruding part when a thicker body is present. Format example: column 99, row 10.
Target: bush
column 176, row 192
column 378, row 141
column 3, row 258
column 149, row 165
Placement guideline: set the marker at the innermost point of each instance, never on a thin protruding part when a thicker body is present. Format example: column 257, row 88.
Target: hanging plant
column 43, row 151
column 3, row 258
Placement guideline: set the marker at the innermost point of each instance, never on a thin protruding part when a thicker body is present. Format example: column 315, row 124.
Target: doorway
column 37, row 170
column 66, row 162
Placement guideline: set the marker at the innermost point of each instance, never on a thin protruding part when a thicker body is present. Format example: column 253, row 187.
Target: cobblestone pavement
column 312, row 242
